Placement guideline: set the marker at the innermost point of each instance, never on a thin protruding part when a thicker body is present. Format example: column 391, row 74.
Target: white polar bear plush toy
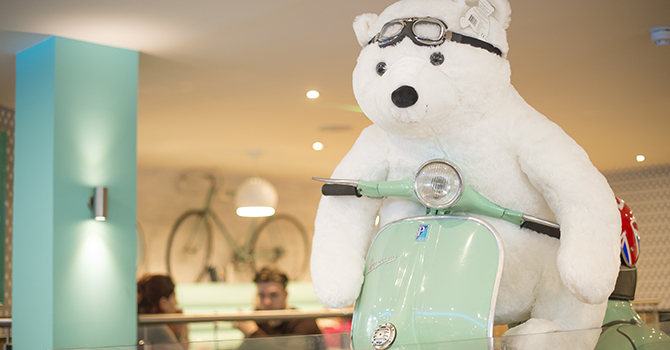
column 433, row 94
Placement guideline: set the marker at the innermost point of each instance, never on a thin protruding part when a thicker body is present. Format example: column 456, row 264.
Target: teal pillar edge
column 32, row 266
column 76, row 128
column 3, row 213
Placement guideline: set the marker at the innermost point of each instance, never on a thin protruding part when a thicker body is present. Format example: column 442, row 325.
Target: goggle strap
column 464, row 39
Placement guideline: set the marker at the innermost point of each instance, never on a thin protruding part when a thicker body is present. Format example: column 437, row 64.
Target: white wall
column 646, row 190
column 163, row 195
column 7, row 125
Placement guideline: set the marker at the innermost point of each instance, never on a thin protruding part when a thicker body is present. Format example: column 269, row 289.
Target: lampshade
column 255, row 197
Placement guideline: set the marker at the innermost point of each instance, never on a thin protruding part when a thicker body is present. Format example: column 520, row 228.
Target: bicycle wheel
column 189, row 247
column 281, row 241
column 141, row 251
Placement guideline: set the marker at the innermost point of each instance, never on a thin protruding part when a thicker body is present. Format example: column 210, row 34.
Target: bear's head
column 427, row 63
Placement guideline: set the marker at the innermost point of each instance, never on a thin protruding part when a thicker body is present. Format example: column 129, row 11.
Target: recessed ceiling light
column 639, row 158
column 312, row 94
column 317, row 146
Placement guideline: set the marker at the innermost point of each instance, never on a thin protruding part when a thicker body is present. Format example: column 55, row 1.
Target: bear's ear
column 362, row 25
column 503, row 12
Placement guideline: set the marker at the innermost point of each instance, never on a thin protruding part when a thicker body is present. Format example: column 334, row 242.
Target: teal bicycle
column 280, row 241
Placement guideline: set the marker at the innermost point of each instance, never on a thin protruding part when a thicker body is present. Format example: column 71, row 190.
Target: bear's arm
column 583, row 203
column 344, row 225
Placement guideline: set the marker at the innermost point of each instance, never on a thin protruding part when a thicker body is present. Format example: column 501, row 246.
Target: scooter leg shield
column 429, row 280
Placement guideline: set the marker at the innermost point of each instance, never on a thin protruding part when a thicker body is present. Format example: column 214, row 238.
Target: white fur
column 469, row 113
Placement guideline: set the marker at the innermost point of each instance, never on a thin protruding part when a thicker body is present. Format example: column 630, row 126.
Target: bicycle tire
column 192, row 252
column 281, row 241
column 141, row 259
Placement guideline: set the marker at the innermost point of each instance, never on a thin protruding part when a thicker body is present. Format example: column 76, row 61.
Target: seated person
column 272, row 294
column 155, row 295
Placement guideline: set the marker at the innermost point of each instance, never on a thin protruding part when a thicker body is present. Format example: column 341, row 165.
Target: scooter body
column 624, row 329
column 432, row 282
column 409, row 297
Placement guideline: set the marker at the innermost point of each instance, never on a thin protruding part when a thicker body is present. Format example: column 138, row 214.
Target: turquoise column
column 76, row 128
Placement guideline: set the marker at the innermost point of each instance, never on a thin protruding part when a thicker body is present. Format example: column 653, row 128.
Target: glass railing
column 216, row 327
column 623, row 336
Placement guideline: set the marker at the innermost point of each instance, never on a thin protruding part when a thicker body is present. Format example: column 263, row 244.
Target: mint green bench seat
column 218, row 297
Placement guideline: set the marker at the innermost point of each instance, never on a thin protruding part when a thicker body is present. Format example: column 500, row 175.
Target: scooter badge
column 422, row 234
column 383, row 336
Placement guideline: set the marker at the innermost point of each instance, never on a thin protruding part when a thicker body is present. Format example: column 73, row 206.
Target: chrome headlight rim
column 461, row 185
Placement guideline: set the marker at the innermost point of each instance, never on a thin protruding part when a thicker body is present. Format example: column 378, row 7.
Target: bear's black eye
column 381, row 68
column 436, row 58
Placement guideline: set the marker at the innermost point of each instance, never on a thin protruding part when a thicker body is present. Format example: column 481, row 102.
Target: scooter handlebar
column 339, row 190
column 536, row 224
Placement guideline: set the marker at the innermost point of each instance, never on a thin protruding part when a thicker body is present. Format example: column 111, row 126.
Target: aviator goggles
column 425, row 31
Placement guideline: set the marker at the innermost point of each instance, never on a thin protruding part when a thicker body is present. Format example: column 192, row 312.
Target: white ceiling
column 222, row 83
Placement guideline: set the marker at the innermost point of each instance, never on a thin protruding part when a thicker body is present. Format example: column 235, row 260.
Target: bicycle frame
column 193, row 230
column 242, row 252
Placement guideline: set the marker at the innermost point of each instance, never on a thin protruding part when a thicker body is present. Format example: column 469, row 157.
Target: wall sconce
column 98, row 203
column 255, row 197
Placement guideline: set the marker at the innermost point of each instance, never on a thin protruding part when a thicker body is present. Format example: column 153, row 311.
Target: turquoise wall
column 76, row 121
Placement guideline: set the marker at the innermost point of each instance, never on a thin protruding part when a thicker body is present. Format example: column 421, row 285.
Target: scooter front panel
column 435, row 279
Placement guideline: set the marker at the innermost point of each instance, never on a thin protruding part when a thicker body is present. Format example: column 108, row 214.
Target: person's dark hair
column 268, row 274
column 150, row 290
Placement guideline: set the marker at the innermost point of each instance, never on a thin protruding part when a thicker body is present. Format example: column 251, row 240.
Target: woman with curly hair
column 156, row 295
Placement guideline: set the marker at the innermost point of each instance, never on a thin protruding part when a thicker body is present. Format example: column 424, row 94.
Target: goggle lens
column 428, row 31
column 390, row 30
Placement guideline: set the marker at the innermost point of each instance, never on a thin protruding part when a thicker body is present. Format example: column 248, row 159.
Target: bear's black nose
column 404, row 96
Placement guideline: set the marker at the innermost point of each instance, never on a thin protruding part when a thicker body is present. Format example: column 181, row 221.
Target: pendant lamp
column 255, row 197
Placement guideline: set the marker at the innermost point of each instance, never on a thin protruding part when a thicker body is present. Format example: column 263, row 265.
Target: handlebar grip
column 339, row 190
column 544, row 229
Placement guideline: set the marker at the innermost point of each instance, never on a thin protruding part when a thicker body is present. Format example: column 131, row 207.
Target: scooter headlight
column 438, row 184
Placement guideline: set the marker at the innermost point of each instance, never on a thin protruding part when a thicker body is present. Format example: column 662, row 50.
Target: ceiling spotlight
column 639, row 158
column 312, row 94
column 317, row 146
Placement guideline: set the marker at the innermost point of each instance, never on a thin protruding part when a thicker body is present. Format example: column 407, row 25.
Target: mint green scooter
column 431, row 282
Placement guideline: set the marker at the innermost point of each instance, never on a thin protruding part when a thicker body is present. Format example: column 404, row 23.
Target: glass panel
column 645, row 337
